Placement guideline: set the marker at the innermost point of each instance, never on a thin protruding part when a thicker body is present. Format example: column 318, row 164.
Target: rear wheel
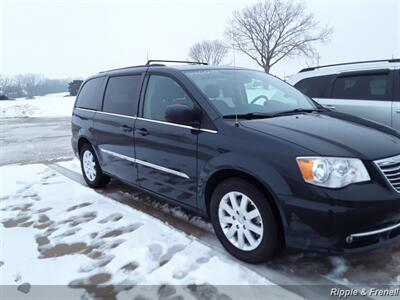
column 91, row 170
column 244, row 221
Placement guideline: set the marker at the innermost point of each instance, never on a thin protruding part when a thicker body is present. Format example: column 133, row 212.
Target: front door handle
column 330, row 106
column 143, row 131
column 398, row 111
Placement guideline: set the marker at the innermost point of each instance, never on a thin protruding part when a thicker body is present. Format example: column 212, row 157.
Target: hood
column 332, row 134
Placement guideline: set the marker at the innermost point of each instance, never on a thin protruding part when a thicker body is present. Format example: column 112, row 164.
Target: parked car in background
column 3, row 97
column 369, row 89
column 269, row 166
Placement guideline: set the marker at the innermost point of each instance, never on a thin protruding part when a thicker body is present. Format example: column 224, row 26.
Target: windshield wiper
column 248, row 116
column 296, row 111
column 260, row 115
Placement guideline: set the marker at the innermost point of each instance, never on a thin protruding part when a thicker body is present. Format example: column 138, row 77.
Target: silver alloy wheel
column 89, row 165
column 240, row 221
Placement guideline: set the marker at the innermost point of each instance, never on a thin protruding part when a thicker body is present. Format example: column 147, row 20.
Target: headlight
column 332, row 172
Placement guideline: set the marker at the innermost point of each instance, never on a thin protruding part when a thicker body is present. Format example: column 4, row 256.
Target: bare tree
column 272, row 30
column 6, row 84
column 211, row 52
column 28, row 83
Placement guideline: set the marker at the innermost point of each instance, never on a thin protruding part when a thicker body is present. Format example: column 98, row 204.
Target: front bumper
column 357, row 218
column 387, row 232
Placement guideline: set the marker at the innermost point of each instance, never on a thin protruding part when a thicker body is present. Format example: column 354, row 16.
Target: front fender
column 260, row 170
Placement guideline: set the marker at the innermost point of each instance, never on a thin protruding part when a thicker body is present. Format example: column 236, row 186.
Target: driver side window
column 162, row 92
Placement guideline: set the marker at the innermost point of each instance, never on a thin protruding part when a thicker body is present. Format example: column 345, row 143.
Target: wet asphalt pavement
column 34, row 140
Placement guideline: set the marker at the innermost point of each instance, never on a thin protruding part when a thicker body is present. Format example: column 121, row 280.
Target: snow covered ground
column 52, row 105
column 54, row 231
column 176, row 211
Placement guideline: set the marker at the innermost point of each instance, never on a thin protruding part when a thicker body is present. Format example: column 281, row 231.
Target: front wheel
column 91, row 170
column 244, row 221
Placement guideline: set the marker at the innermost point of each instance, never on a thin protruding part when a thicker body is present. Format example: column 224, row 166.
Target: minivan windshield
column 249, row 93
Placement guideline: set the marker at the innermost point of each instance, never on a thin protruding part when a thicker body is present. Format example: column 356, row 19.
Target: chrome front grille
column 390, row 167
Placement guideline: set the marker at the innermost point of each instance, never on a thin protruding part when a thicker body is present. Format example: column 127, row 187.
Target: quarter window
column 91, row 93
column 162, row 92
column 122, row 95
column 364, row 87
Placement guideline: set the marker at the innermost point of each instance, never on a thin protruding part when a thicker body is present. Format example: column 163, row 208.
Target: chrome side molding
column 148, row 120
column 177, row 125
column 145, row 163
column 131, row 159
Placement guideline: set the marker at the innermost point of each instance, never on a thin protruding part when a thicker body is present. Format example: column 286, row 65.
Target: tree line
column 267, row 32
column 30, row 85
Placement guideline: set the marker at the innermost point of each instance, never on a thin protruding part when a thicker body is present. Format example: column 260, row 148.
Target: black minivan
column 266, row 164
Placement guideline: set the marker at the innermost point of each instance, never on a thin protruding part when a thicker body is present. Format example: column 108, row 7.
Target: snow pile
column 339, row 270
column 54, row 231
column 52, row 105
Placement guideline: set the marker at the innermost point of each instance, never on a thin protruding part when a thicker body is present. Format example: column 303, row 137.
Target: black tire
column 270, row 242
column 100, row 179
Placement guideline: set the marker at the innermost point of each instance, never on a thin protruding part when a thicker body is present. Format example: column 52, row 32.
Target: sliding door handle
column 142, row 131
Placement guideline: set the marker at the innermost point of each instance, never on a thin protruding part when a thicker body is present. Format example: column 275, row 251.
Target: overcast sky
column 80, row 38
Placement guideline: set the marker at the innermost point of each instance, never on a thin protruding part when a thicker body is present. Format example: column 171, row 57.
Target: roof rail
column 123, row 68
column 149, row 62
column 157, row 64
column 392, row 60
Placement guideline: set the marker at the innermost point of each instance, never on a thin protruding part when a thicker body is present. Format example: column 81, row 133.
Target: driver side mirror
column 183, row 114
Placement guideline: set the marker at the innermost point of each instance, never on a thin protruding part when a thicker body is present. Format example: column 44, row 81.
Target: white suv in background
column 367, row 89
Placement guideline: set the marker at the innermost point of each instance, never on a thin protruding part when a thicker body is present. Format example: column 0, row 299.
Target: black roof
column 172, row 67
column 181, row 65
column 186, row 66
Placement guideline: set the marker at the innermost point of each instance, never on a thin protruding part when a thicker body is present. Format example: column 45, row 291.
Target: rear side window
column 315, row 87
column 363, row 87
column 122, row 95
column 91, row 93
